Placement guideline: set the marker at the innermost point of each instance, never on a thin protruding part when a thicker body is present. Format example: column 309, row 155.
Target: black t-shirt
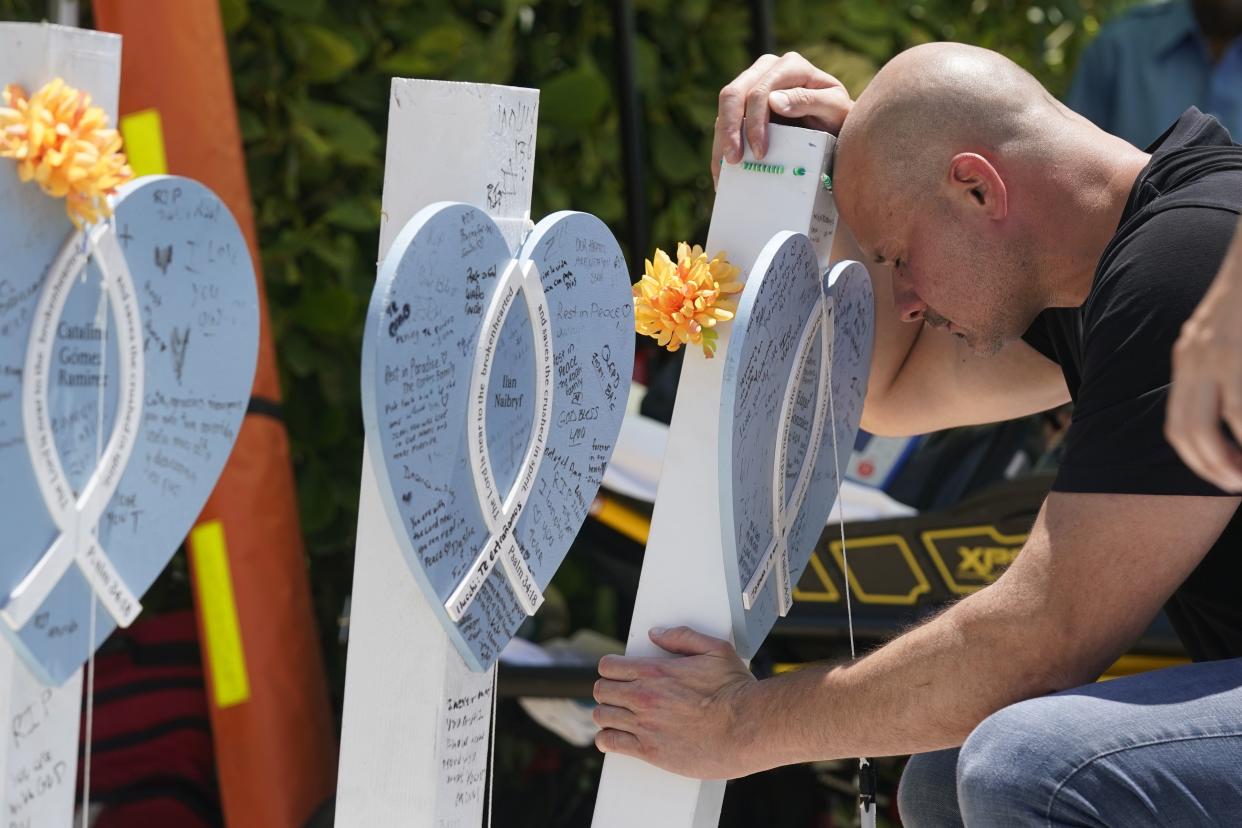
column 1115, row 352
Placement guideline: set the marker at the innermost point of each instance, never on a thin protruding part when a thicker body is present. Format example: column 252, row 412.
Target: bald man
column 1022, row 258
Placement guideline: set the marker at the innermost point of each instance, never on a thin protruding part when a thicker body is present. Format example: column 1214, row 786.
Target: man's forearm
column 1092, row 574
column 924, row 691
column 1036, row 630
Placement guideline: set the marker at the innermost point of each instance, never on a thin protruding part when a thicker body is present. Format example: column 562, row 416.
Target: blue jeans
column 1161, row 748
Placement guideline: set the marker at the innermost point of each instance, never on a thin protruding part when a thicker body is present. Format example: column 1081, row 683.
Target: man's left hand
column 687, row 715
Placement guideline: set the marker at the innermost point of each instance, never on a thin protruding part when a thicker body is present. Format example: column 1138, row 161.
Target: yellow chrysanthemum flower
column 680, row 303
column 65, row 145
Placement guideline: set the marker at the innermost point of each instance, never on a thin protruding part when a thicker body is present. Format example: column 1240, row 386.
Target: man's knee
column 1002, row 766
column 927, row 794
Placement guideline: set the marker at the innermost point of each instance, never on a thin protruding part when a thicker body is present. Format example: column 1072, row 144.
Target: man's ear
column 973, row 178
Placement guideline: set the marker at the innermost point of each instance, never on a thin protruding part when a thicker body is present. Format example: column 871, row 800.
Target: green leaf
column 432, row 55
column 674, row 158
column 330, row 426
column 297, row 9
column 646, row 64
column 234, row 14
column 347, row 134
column 327, row 309
column 336, row 252
column 289, row 244
column 297, row 354
column 361, row 214
column 317, row 506
column 311, row 140
column 328, row 55
column 251, row 125
column 575, row 98
column 692, row 12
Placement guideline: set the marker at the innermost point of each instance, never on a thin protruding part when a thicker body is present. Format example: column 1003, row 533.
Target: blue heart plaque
column 127, row 355
column 794, row 380
column 493, row 389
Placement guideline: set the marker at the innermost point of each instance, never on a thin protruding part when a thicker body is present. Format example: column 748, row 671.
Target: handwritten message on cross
column 771, row 420
column 128, row 339
column 496, row 366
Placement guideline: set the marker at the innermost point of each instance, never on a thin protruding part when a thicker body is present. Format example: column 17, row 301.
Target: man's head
column 942, row 172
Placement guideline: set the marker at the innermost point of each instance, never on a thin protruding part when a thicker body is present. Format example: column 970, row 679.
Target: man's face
column 950, row 270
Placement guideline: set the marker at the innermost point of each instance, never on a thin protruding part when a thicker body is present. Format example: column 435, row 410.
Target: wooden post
column 39, row 755
column 684, row 579
column 416, row 720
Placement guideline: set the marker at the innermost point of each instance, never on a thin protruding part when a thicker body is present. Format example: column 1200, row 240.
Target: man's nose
column 910, row 307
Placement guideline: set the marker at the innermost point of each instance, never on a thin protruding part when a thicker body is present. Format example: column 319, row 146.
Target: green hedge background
column 312, row 80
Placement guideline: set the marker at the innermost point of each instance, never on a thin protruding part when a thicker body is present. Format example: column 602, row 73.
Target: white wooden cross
column 414, row 743
column 39, row 749
column 683, row 579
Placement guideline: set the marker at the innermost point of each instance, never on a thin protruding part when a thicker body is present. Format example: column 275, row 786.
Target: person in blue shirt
column 1147, row 66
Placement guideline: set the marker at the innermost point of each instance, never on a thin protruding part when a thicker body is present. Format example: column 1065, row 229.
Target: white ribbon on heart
column 77, row 515
column 501, row 513
column 776, row 556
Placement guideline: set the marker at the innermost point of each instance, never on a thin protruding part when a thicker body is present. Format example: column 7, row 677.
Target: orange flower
column 65, row 145
column 679, row 304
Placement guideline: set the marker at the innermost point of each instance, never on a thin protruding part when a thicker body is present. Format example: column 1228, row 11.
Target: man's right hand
column 788, row 85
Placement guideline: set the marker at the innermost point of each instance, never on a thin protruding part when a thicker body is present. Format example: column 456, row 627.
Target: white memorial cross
column 683, row 579
column 39, row 752
column 78, row 517
column 414, row 735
